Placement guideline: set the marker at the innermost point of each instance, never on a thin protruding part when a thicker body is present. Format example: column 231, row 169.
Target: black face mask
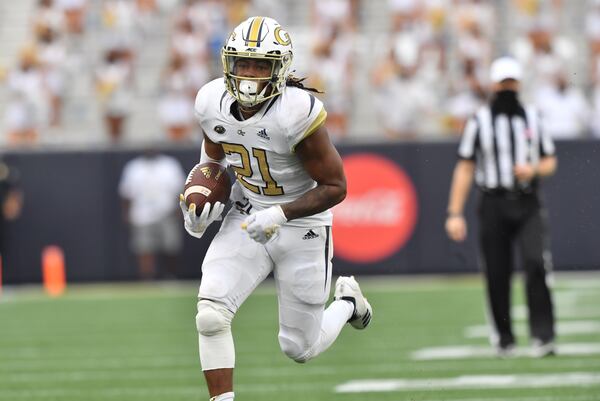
column 507, row 102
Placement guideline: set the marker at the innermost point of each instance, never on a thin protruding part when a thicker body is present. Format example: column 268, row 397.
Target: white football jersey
column 261, row 148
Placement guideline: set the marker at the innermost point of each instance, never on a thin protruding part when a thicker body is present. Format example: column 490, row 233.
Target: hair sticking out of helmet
column 256, row 60
column 298, row 83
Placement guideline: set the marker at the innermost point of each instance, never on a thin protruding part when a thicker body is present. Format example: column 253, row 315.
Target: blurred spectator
column 474, row 47
column 333, row 73
column 27, row 109
column 543, row 54
column 209, row 19
column 147, row 14
column 564, row 109
column 190, row 43
column 405, row 104
column 48, row 15
column 276, row 9
column 75, row 14
column 466, row 96
column 592, row 28
column 405, row 14
column 149, row 189
column 176, row 102
column 114, row 87
column 11, row 200
column 527, row 13
column 237, row 11
column 479, row 13
column 330, row 15
column 52, row 58
column 120, row 19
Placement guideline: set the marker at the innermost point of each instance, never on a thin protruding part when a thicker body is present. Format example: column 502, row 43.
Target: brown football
column 207, row 182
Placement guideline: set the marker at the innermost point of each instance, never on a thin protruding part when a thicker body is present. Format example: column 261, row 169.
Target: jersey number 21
column 245, row 170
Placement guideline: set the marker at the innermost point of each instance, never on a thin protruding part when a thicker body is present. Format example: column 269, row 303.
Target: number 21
column 245, row 170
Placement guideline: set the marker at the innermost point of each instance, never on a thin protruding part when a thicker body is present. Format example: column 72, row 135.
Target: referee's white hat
column 505, row 68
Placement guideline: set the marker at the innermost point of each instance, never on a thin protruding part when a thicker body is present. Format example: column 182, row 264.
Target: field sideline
column 427, row 343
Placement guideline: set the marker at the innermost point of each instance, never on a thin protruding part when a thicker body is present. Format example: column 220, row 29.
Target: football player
column 263, row 123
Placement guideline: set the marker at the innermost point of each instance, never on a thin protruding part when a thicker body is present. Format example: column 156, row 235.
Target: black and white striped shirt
column 499, row 141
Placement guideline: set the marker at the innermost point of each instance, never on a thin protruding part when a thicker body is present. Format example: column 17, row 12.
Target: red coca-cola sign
column 379, row 213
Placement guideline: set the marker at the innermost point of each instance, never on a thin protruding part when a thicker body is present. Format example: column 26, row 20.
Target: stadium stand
column 424, row 59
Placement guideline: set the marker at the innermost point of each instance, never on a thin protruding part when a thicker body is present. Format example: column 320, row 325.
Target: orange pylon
column 53, row 271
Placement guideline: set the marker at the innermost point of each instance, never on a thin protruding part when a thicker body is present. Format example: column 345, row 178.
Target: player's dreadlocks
column 297, row 82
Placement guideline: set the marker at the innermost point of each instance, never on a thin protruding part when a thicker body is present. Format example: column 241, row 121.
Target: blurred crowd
column 435, row 73
column 416, row 71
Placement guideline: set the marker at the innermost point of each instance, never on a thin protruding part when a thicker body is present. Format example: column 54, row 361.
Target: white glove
column 196, row 225
column 263, row 225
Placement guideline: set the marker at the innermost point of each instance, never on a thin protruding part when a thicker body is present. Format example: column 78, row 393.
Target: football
column 207, row 182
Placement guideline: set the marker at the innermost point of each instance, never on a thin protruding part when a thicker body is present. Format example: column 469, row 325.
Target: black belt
column 508, row 193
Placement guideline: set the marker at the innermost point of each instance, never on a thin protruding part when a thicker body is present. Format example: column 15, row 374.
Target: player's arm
column 212, row 150
column 322, row 162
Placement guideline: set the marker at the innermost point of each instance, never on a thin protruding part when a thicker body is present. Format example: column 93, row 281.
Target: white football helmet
column 257, row 37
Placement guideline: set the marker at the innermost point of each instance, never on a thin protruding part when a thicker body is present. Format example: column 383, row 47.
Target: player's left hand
column 524, row 172
column 263, row 225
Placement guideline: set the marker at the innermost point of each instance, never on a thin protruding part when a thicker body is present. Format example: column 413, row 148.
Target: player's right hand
column 196, row 225
column 456, row 228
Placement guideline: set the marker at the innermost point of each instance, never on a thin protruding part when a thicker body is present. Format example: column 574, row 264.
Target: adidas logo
column 263, row 134
column 206, row 171
column 310, row 235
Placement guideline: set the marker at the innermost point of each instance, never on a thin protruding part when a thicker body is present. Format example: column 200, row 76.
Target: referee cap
column 505, row 68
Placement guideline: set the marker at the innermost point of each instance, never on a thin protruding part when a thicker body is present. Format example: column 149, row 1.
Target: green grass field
column 138, row 342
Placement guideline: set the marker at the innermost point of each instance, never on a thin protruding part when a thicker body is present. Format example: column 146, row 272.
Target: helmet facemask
column 246, row 89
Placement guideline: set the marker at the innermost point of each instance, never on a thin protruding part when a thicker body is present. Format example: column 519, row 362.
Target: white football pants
column 300, row 258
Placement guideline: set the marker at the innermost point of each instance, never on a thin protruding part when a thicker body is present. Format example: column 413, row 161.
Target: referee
column 504, row 147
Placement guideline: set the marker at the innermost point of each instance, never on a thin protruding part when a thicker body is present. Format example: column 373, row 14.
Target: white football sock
column 335, row 318
column 223, row 397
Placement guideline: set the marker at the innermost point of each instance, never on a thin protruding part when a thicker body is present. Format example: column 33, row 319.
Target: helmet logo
column 282, row 37
column 255, row 35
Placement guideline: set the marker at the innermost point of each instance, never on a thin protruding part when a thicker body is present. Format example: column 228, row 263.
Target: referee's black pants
column 506, row 219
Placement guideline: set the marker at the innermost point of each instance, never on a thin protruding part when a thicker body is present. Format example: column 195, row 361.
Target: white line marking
column 563, row 312
column 472, row 382
column 521, row 398
column 465, row 352
column 562, row 328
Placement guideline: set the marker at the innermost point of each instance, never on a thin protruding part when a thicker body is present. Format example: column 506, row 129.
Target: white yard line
column 467, row 351
column 521, row 398
column 564, row 328
column 473, row 382
column 563, row 312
